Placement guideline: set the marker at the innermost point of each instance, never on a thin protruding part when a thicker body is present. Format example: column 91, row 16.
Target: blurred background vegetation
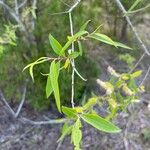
column 27, row 43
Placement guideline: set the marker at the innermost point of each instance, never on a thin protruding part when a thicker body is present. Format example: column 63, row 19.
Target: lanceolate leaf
column 31, row 72
column 76, row 136
column 66, row 131
column 83, row 27
column 69, row 112
column 103, row 38
column 56, row 46
column 100, row 123
column 54, row 82
column 80, row 48
column 72, row 39
column 49, row 88
column 134, row 5
column 122, row 45
column 136, row 74
column 73, row 55
column 31, row 65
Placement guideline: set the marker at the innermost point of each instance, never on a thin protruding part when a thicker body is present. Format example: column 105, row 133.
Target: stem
column 119, row 4
column 73, row 62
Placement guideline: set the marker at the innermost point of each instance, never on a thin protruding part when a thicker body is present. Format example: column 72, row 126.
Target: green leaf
column 136, row 74
column 76, row 136
column 100, row 123
column 91, row 102
column 134, row 5
column 49, row 88
column 56, row 46
column 66, row 130
column 103, row 38
column 83, row 27
column 67, row 63
column 80, row 48
column 72, row 39
column 54, row 81
column 31, row 65
column 122, row 45
column 73, row 55
column 31, row 72
column 69, row 112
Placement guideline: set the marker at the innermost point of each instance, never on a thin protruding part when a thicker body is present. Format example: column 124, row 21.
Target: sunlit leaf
column 83, row 27
column 73, row 55
column 67, row 62
column 134, row 5
column 80, row 48
column 66, row 130
column 31, row 72
column 76, row 136
column 100, row 123
column 69, row 112
column 49, row 88
column 136, row 74
column 90, row 103
column 72, row 39
column 56, row 46
column 103, row 38
column 122, row 45
column 54, row 82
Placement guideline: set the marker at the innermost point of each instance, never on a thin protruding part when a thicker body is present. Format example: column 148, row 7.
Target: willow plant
column 120, row 91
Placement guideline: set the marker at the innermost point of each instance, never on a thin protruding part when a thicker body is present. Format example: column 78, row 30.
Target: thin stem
column 119, row 4
column 22, row 101
column 146, row 75
column 54, row 121
column 141, row 58
column 73, row 62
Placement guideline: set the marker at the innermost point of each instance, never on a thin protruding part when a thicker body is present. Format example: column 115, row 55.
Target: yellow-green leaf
column 100, row 123
column 69, row 112
column 73, row 55
column 83, row 27
column 76, row 134
column 103, row 38
column 54, row 82
column 80, row 48
column 136, row 74
column 66, row 131
column 72, row 39
column 56, row 46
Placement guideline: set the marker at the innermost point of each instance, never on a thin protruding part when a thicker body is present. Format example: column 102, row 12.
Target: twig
column 14, row 15
column 68, row 11
column 141, row 58
column 54, row 121
column 119, row 4
column 146, row 75
column 73, row 62
column 7, row 105
column 59, row 145
column 22, row 4
column 138, row 10
column 74, row 6
column 15, row 115
column 65, row 3
column 22, row 102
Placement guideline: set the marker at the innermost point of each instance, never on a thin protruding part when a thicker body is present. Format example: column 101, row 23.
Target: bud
column 113, row 72
column 107, row 86
column 127, row 91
